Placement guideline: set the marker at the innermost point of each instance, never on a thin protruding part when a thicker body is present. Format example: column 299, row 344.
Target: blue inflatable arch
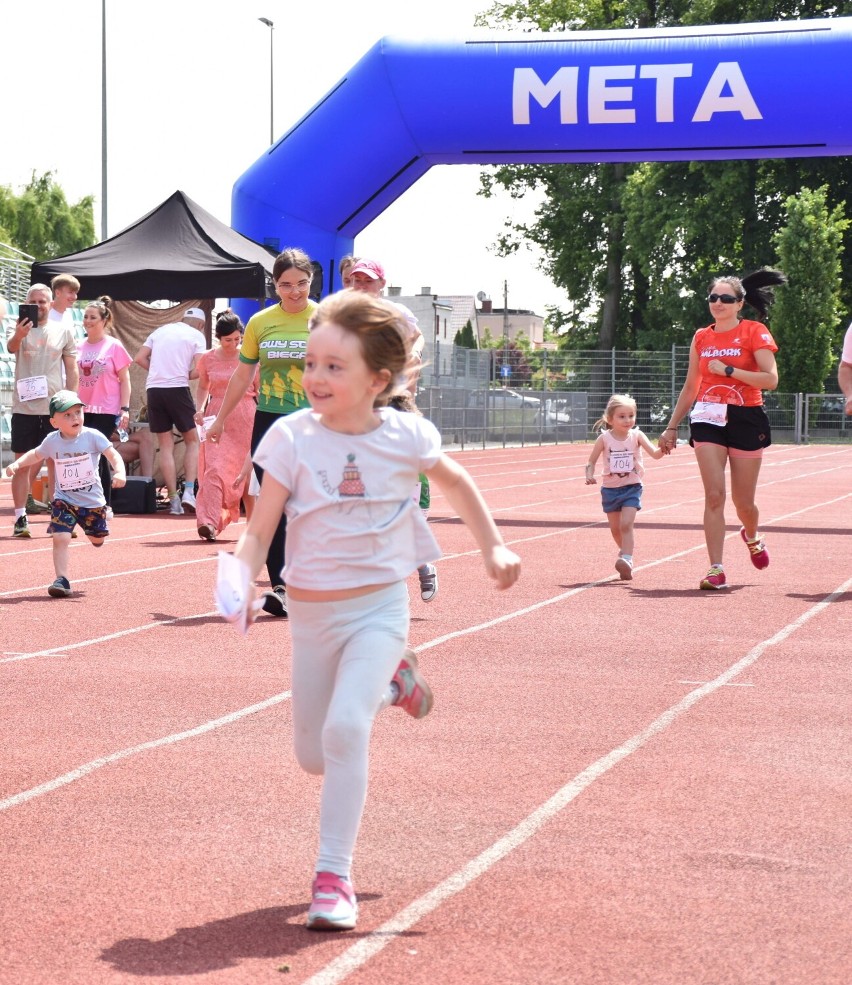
column 738, row 91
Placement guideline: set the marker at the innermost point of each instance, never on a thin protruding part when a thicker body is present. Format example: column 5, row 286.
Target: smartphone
column 28, row 311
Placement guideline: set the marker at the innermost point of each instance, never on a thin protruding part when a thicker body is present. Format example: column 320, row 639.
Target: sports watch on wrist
column 729, row 371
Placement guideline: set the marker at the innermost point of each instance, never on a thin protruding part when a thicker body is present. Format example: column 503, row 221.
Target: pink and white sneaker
column 757, row 549
column 714, row 579
column 415, row 695
column 333, row 904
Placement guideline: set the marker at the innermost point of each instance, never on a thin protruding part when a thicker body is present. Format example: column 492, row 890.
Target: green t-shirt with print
column 276, row 339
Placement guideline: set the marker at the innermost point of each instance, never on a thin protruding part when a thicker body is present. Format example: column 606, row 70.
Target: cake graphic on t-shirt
column 351, row 484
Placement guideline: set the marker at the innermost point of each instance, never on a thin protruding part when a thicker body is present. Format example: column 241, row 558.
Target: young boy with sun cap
column 79, row 498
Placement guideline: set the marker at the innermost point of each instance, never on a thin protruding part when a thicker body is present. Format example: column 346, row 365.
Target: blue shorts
column 64, row 517
column 615, row 498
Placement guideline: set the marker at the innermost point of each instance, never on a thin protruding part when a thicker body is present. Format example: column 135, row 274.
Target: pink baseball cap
column 374, row 270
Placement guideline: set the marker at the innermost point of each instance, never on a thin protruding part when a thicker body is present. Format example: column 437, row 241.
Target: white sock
column 390, row 696
column 627, row 557
column 20, row 512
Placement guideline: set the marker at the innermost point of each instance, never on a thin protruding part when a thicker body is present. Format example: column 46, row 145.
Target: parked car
column 501, row 412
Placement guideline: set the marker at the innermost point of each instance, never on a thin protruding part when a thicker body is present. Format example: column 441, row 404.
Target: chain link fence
column 550, row 397
column 556, row 397
column 15, row 273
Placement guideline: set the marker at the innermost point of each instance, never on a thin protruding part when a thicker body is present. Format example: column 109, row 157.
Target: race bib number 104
column 621, row 462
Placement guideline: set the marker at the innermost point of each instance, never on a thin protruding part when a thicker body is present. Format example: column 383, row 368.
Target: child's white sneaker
column 624, row 566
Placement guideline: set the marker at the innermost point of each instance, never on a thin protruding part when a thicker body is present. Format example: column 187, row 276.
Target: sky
column 188, row 108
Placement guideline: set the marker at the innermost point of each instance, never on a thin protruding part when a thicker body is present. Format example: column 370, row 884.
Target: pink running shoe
column 757, row 549
column 415, row 695
column 333, row 904
column 714, row 579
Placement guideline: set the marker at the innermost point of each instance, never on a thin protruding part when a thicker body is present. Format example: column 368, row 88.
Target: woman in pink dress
column 218, row 501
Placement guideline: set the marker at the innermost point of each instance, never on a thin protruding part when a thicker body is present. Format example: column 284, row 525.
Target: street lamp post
column 271, row 26
column 103, row 123
column 506, row 327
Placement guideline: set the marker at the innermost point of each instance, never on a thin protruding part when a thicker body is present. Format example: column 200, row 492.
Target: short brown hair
column 65, row 280
column 380, row 327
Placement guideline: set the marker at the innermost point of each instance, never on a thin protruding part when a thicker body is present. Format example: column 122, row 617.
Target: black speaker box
column 138, row 496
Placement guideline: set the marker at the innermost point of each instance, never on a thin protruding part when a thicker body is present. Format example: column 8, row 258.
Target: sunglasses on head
column 724, row 298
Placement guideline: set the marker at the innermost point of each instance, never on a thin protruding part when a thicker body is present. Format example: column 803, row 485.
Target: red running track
column 621, row 782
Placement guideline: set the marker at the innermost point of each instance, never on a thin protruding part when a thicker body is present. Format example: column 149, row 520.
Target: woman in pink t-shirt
column 104, row 386
column 730, row 362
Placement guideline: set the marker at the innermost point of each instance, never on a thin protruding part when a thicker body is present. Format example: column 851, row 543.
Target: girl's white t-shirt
column 351, row 520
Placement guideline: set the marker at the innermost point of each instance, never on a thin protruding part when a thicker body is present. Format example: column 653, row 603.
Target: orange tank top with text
column 735, row 348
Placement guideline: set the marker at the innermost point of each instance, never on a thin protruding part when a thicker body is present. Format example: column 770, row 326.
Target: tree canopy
column 40, row 221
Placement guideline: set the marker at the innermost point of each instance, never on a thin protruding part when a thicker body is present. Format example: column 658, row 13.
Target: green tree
column 465, row 338
column 516, row 354
column 807, row 310
column 678, row 243
column 40, row 221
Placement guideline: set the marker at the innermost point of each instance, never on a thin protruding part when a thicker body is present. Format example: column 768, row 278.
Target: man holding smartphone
column 42, row 350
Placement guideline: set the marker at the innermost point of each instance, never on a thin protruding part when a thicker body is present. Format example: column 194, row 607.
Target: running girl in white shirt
column 343, row 471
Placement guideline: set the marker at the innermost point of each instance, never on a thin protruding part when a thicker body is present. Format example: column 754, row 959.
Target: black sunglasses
column 724, row 298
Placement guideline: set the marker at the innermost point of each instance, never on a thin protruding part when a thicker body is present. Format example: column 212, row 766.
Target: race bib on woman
column 709, row 413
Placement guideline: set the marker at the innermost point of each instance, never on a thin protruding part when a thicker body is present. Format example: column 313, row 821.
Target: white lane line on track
column 356, row 956
column 87, row 768
column 113, row 539
column 577, row 462
column 67, row 647
column 114, row 574
column 447, row 557
column 96, row 764
column 17, row 656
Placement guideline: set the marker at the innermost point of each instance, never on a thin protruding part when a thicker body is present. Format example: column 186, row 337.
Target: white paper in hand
column 203, row 427
column 233, row 591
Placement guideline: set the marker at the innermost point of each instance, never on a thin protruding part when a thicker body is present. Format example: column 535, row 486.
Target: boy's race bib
column 709, row 413
column 75, row 472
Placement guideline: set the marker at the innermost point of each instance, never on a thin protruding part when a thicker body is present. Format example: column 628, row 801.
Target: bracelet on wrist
column 670, row 429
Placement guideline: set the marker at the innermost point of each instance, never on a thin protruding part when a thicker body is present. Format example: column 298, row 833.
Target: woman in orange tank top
column 731, row 362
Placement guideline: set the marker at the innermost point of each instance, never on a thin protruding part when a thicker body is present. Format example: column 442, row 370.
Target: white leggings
column 344, row 656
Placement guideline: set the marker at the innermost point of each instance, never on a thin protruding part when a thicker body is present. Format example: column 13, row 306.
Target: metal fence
column 557, row 396
column 508, row 416
column 474, row 399
column 15, row 273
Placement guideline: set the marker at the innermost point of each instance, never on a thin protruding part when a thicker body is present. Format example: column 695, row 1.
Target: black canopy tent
column 176, row 252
